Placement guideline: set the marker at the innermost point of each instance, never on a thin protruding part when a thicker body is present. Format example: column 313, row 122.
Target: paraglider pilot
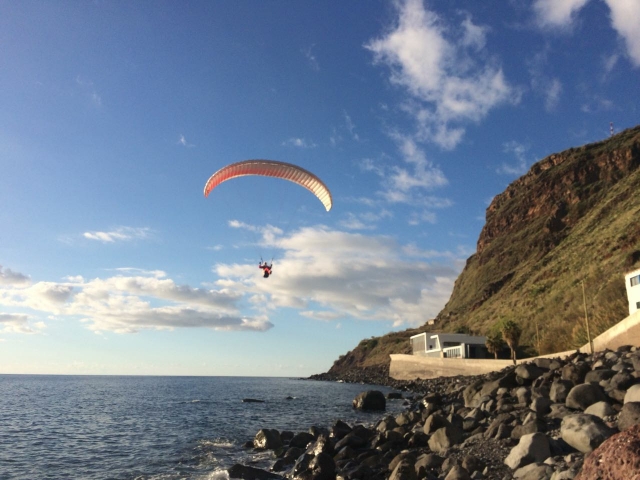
column 266, row 267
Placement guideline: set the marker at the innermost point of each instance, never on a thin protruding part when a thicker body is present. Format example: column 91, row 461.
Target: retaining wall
column 411, row 367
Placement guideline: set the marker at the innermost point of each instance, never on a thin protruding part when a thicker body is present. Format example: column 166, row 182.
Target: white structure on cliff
column 632, row 282
column 449, row 345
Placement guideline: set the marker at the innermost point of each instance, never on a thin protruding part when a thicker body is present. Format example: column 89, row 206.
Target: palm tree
column 511, row 332
column 494, row 343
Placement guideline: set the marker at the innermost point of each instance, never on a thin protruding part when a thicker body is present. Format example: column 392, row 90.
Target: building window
column 634, row 280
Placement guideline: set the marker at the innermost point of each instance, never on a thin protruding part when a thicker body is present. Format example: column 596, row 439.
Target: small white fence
column 453, row 352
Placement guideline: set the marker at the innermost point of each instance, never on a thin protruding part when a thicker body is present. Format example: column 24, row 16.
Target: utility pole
column 586, row 317
column 611, row 129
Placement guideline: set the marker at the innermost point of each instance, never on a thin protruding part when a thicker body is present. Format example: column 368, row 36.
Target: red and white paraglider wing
column 272, row 168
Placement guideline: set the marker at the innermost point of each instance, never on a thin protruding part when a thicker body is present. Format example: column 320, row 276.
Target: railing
column 453, row 352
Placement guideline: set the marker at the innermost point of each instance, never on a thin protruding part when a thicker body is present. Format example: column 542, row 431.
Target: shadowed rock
column 370, row 400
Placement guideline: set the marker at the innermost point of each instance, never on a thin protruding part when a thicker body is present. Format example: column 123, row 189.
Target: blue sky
column 113, row 115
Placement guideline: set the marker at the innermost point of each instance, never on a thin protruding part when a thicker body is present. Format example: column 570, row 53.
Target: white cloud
column 128, row 304
column 9, row 277
column 433, row 62
column 325, row 273
column 557, row 13
column 348, row 275
column 625, row 19
column 321, row 315
column 299, row 143
column 119, row 234
column 473, row 35
column 17, row 323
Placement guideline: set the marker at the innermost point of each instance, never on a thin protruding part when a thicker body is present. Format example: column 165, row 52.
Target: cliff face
column 572, row 221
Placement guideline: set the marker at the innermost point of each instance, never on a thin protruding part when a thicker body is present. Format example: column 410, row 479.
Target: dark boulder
column 597, row 376
column 559, row 390
column 575, row 372
column 251, row 473
column 340, row 429
column 301, row 440
column 267, row 438
column 370, row 400
column 582, row 396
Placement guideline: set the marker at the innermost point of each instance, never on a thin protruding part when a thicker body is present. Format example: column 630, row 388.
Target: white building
column 632, row 282
column 449, row 345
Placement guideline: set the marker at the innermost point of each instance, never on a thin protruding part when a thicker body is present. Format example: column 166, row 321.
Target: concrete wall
column 411, row 367
column 627, row 332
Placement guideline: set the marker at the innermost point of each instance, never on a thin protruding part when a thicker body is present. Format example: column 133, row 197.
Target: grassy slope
column 551, row 231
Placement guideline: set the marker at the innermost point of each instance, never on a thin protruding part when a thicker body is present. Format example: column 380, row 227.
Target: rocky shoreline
column 553, row 419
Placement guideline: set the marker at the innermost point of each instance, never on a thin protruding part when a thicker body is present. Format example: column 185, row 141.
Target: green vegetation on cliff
column 571, row 222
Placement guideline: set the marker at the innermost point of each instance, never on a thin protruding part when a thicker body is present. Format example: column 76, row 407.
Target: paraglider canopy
column 272, row 168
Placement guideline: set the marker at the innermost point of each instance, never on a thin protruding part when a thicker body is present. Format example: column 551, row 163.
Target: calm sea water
column 160, row 428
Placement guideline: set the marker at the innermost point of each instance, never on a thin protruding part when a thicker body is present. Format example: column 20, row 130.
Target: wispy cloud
column 119, row 234
column 407, row 183
column 424, row 173
column 89, row 91
column 364, row 221
column 321, row 315
column 542, row 84
column 440, row 67
column 350, row 126
column 299, row 143
column 523, row 160
column 312, row 60
column 183, row 141
column 557, row 14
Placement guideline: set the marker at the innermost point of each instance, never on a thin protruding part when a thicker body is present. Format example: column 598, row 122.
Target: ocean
column 157, row 428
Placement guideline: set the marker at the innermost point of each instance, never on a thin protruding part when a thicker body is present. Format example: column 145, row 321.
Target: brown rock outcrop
column 618, row 458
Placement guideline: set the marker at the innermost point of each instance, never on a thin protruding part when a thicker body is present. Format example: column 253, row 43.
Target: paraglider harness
column 266, row 267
